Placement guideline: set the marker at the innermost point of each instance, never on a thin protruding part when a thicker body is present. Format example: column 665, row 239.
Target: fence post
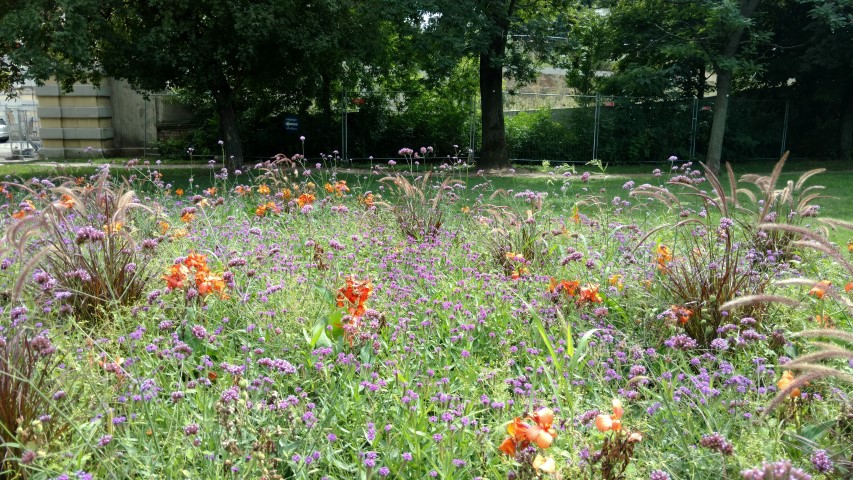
column 785, row 128
column 694, row 127
column 597, row 116
column 344, row 124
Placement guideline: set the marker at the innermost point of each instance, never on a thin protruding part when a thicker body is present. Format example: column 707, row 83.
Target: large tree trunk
column 224, row 98
column 718, row 125
column 724, row 87
column 493, row 153
column 845, row 126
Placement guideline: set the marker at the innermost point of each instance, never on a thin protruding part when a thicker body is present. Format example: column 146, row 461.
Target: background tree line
column 246, row 63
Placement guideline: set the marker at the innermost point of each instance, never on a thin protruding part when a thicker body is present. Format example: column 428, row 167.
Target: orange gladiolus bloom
column 682, row 314
column 589, row 293
column 522, row 434
column 819, row 290
column 785, row 381
column 664, row 257
column 176, row 276
column 613, row 422
column 196, row 261
column 67, row 201
column 354, row 294
column 616, row 281
column 207, row 283
column 305, row 199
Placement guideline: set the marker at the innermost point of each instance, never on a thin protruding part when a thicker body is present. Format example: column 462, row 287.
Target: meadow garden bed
column 293, row 322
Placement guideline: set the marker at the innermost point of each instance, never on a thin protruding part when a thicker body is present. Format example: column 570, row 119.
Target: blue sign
column 291, row 123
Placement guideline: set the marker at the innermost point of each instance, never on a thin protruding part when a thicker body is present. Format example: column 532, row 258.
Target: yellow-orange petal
column 544, row 465
column 603, row 423
column 618, row 410
column 544, row 417
column 508, row 446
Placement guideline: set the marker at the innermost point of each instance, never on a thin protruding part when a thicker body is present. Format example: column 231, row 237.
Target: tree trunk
column 224, row 98
column 845, row 127
column 718, row 125
column 724, row 87
column 326, row 97
column 493, row 153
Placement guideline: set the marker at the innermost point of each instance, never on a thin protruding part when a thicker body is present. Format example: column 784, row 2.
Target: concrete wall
column 74, row 123
column 111, row 118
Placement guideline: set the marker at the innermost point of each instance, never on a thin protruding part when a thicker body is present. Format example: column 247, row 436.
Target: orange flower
column 179, row 192
column 589, row 293
column 517, row 438
column 196, row 261
column 616, row 281
column 368, row 200
column 207, row 283
column 241, row 190
column 67, row 201
column 329, row 188
column 19, row 214
column 825, row 321
column 576, row 218
column 261, row 210
column 264, row 189
column 211, row 191
column 819, row 290
column 850, row 246
column 785, row 381
column 848, row 287
column 682, row 314
column 164, row 227
column 613, row 422
column 664, row 257
column 187, row 217
column 176, row 276
column 112, row 228
column 354, row 294
column 287, row 194
column 305, row 199
column 179, row 233
column 522, row 434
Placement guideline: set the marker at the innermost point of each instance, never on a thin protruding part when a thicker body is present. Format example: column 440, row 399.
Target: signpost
column 291, row 123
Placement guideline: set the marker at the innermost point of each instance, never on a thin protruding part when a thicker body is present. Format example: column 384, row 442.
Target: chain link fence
column 21, row 117
column 578, row 128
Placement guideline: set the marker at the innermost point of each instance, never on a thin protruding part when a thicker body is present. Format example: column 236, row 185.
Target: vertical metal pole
column 597, row 117
column 694, row 127
column 785, row 128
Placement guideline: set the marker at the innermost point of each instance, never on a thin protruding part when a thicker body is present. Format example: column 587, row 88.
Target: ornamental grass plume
column 82, row 245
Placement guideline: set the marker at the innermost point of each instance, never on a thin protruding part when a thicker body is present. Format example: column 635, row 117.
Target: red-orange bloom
column 819, row 290
column 176, row 276
column 785, row 381
column 354, row 294
column 67, row 201
column 305, row 199
column 664, row 257
column 682, row 314
column 196, row 261
column 522, row 434
column 589, row 293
